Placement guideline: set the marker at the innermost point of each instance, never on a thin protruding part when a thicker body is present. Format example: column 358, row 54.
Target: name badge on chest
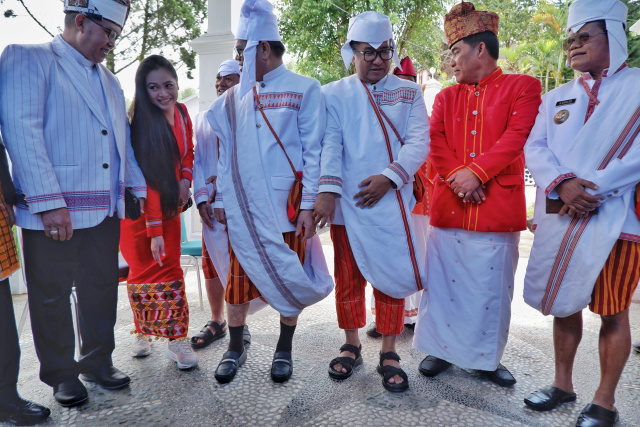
column 566, row 102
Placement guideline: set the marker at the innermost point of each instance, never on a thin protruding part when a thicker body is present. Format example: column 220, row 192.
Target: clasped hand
column 466, row 182
column 577, row 202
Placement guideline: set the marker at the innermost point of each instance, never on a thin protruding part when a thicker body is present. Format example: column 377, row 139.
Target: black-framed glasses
column 371, row 55
column 113, row 36
column 582, row 38
column 238, row 51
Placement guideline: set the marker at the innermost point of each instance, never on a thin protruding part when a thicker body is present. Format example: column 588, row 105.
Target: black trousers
column 10, row 353
column 89, row 261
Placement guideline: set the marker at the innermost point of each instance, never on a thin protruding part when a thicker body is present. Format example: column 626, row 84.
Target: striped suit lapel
column 113, row 102
column 77, row 76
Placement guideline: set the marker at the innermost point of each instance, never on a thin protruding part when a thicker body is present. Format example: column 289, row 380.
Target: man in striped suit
column 64, row 121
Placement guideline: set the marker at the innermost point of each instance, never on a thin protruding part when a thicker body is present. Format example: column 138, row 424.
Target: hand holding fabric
column 305, row 224
column 206, row 214
column 324, row 209
column 220, row 216
column 212, row 180
column 376, row 186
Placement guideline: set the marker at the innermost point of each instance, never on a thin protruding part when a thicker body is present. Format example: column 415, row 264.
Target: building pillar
column 213, row 47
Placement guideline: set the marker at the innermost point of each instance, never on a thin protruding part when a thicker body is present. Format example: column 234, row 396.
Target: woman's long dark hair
column 153, row 141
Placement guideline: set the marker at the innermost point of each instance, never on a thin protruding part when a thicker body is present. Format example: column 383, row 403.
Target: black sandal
column 349, row 363
column 246, row 335
column 389, row 372
column 207, row 336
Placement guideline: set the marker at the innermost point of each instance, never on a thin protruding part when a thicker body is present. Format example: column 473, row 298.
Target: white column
column 213, row 47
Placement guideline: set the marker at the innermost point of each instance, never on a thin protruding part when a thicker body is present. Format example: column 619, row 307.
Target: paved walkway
column 161, row 395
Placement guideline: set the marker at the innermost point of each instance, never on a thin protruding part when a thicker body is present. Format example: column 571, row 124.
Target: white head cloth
column 229, row 66
column 369, row 27
column 103, row 9
column 262, row 25
column 241, row 31
column 614, row 13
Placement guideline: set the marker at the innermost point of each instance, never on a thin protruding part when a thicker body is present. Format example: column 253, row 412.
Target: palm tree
column 542, row 55
column 552, row 18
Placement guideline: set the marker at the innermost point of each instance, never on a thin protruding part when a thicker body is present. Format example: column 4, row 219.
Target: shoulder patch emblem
column 561, row 117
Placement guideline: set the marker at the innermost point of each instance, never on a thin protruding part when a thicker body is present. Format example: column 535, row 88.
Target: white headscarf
column 369, row 27
column 614, row 13
column 229, row 66
column 241, row 31
column 262, row 25
column 101, row 9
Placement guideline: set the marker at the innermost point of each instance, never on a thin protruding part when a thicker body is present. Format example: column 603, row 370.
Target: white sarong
column 465, row 313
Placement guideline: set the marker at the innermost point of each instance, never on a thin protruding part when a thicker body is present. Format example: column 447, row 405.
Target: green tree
column 550, row 22
column 154, row 26
column 514, row 16
column 543, row 56
column 185, row 93
column 315, row 30
column 633, row 40
column 515, row 60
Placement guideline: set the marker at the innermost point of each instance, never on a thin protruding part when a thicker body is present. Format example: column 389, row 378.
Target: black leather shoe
column 636, row 347
column 372, row 331
column 16, row 410
column 500, row 376
column 432, row 366
column 548, row 398
column 70, row 393
column 229, row 365
column 281, row 367
column 596, row 416
column 108, row 377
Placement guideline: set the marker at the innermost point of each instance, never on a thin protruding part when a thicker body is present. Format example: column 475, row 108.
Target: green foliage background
column 531, row 34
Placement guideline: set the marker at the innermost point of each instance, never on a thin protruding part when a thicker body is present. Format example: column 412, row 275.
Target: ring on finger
column 53, row 232
column 461, row 194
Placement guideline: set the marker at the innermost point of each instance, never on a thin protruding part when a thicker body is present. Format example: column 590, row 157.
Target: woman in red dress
column 161, row 136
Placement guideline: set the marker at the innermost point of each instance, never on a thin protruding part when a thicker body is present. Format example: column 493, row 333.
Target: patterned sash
column 577, row 226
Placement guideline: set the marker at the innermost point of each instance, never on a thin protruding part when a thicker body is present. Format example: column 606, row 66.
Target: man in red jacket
column 478, row 130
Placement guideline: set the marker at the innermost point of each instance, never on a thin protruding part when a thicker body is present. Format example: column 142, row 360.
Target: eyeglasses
column 238, row 51
column 582, row 38
column 371, row 55
column 111, row 34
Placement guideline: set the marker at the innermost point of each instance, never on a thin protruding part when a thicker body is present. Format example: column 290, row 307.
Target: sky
column 24, row 30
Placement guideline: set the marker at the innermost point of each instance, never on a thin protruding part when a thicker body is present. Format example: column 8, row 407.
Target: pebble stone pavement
column 161, row 395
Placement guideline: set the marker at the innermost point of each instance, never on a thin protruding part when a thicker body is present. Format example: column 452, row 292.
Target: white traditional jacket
column 287, row 98
column 354, row 148
column 255, row 178
column 58, row 138
column 568, row 254
column 206, row 158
